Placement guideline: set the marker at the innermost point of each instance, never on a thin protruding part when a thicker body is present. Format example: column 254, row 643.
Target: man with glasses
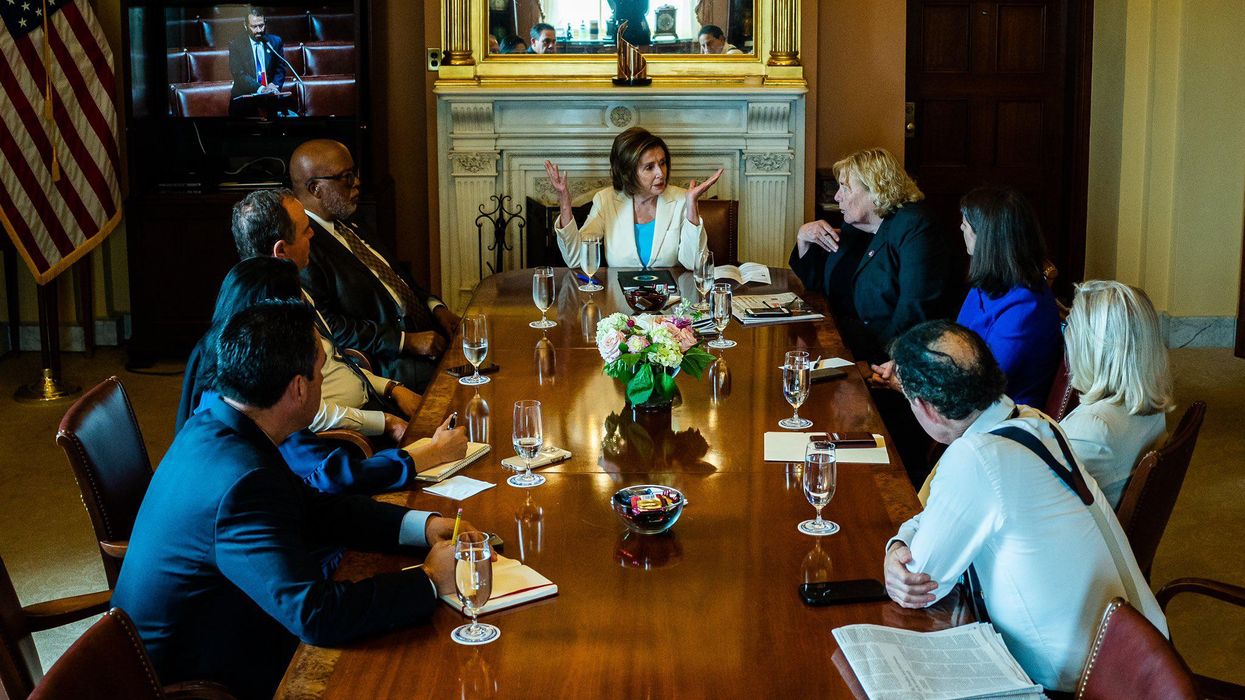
column 370, row 303
column 255, row 66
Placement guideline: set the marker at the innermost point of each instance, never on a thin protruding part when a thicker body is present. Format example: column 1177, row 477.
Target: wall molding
column 1197, row 331
column 108, row 332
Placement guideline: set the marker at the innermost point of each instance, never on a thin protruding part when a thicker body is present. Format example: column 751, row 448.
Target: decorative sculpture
column 632, row 67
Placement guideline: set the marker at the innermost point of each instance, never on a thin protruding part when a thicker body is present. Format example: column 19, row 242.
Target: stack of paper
column 799, row 311
column 514, row 583
column 962, row 662
column 789, row 447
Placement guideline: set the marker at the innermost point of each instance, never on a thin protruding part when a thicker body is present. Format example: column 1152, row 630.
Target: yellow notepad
column 440, row 472
column 514, row 583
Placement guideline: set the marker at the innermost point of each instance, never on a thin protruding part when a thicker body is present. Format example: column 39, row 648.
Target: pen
column 458, row 519
column 584, row 278
column 453, row 420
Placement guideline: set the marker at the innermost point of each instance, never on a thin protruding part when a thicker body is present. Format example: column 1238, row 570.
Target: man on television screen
column 257, row 69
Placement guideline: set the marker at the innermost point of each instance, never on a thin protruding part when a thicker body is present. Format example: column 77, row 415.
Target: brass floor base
column 46, row 390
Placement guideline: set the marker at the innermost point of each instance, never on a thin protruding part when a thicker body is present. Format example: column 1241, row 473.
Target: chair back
column 108, row 661
column 19, row 662
column 721, row 219
column 1151, row 492
column 101, row 438
column 1131, row 660
column 1062, row 397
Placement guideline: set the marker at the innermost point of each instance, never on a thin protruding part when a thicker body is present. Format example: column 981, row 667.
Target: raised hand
column 557, row 180
column 694, row 191
column 817, row 233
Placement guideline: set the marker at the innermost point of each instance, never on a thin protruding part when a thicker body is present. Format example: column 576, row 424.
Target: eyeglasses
column 350, row 177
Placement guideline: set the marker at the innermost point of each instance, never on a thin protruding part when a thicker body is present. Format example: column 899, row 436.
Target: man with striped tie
column 255, row 66
column 370, row 303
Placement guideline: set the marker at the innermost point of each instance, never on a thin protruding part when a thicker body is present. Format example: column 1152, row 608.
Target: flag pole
column 50, row 387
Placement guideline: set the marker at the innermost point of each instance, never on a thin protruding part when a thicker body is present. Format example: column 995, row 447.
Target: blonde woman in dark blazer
column 643, row 220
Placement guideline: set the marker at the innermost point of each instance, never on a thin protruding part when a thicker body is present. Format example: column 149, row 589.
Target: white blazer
column 675, row 240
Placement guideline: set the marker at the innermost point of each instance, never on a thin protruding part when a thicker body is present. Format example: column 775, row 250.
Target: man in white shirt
column 713, row 41
column 1046, row 562
column 369, row 302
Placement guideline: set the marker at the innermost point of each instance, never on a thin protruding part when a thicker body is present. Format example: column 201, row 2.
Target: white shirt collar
column 326, row 225
column 994, row 414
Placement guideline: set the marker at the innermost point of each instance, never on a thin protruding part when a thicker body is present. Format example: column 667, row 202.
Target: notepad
column 514, row 583
column 789, row 447
column 475, row 450
column 787, row 300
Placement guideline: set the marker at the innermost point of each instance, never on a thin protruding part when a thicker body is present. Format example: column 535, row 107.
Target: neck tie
column 416, row 311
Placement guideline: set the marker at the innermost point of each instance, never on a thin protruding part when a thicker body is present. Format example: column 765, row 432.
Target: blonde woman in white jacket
column 643, row 220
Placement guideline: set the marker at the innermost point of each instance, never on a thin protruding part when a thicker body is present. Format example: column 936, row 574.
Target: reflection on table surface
column 709, row 608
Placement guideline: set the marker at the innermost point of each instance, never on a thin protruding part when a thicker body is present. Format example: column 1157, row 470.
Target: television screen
column 288, row 62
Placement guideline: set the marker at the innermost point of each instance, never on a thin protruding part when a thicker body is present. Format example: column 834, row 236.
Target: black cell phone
column 496, row 542
column 466, row 370
column 853, row 439
column 861, row 590
column 768, row 312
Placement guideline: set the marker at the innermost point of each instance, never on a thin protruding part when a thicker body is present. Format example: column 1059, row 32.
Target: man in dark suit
column 223, row 575
column 255, row 67
column 371, row 303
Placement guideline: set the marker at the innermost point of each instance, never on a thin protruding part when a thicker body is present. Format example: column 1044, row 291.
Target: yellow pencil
column 457, row 521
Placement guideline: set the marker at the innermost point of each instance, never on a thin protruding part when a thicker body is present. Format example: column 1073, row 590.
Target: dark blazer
column 242, row 64
column 900, row 276
column 361, row 313
column 223, row 574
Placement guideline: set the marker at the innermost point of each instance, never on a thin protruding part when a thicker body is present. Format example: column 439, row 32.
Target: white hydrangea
column 609, row 324
column 666, row 355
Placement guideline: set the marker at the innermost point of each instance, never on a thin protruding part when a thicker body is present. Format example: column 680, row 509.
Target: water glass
column 821, row 473
column 590, row 262
column 528, row 436
column 795, row 386
column 475, row 346
column 542, row 295
column 703, row 276
column 473, row 582
column 720, row 299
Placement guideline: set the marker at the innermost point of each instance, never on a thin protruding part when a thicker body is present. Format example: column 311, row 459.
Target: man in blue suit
column 223, row 575
column 256, row 66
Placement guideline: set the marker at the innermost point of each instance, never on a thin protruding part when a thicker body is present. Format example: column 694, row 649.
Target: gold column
column 783, row 51
column 457, row 25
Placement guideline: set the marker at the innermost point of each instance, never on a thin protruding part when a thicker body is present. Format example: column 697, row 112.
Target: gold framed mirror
column 507, row 41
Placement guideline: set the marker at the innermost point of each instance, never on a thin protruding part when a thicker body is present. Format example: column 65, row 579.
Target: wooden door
column 1000, row 91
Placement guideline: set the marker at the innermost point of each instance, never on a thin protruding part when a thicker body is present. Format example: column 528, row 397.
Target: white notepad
column 789, row 447
column 514, row 583
column 475, row 450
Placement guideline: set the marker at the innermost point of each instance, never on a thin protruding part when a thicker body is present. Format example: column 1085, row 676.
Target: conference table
column 708, row 609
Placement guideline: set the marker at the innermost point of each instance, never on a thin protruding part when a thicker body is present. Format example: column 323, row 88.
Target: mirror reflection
column 590, row 26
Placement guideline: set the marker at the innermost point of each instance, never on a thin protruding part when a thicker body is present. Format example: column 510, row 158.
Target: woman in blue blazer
column 1009, row 304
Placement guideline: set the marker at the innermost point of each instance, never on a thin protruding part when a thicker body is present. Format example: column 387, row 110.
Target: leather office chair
column 208, row 65
column 178, row 71
column 19, row 661
column 1151, row 491
column 1131, row 660
column 332, row 26
column 1228, row 593
column 1062, row 398
column 219, row 31
column 293, row 52
column 721, row 218
column 200, row 99
column 330, row 58
column 292, row 28
column 101, row 438
column 325, row 96
column 109, row 661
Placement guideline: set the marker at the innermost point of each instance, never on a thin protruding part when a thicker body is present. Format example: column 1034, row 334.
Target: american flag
column 59, row 159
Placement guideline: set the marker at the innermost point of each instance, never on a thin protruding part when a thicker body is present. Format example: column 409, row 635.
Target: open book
column 745, row 273
column 514, row 583
column 962, row 662
column 475, row 450
column 762, row 309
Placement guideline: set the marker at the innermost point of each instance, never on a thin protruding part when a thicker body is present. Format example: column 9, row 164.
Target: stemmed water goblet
column 473, row 582
column 720, row 299
column 475, row 346
column 528, row 437
column 542, row 295
column 821, row 472
column 703, row 276
column 590, row 262
column 795, row 386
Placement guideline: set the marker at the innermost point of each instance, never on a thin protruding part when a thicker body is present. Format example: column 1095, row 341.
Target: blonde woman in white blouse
column 644, row 220
column 1118, row 363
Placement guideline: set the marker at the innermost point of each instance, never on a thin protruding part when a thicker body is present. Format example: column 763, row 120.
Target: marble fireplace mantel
column 495, row 141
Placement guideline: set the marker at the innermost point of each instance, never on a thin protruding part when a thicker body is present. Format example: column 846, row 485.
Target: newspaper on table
column 970, row 661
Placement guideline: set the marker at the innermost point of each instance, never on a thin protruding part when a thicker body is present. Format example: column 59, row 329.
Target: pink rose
column 608, row 346
column 686, row 339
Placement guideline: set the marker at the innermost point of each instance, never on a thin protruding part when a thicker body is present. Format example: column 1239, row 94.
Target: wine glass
column 473, row 582
column 703, row 276
column 475, row 346
column 821, row 472
column 542, row 295
column 528, row 436
column 720, row 299
column 590, row 262
column 795, row 386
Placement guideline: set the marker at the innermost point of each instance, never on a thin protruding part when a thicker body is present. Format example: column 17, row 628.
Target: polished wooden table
column 708, row 609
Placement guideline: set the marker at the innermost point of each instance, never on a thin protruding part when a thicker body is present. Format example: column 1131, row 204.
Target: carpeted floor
column 50, row 551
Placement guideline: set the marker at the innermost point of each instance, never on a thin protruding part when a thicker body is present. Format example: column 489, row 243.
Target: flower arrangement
column 645, row 352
